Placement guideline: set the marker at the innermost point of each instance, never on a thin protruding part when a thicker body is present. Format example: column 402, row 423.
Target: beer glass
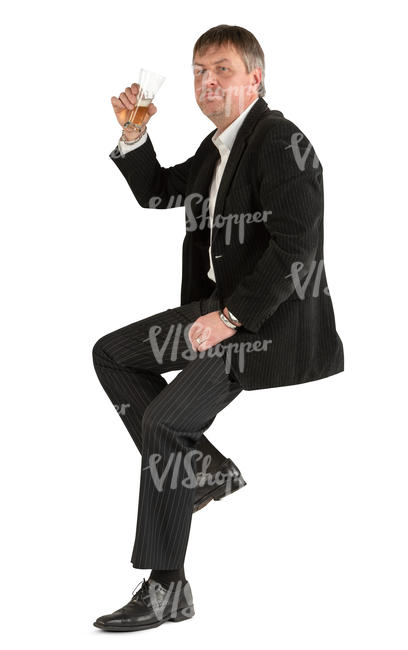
column 149, row 84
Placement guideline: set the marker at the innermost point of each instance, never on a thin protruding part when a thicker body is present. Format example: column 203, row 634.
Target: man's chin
column 211, row 113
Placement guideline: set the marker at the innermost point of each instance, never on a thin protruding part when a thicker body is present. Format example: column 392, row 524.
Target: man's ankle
column 166, row 577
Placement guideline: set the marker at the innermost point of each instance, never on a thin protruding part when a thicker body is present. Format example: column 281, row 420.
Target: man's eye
column 201, row 71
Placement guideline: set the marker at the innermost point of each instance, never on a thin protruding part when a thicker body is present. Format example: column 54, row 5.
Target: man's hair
column 244, row 42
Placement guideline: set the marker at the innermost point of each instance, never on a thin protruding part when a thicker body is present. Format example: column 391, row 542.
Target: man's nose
column 210, row 78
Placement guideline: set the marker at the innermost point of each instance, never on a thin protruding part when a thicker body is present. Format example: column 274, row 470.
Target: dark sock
column 166, row 577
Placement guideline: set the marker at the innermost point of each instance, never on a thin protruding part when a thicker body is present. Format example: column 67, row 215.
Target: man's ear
column 257, row 76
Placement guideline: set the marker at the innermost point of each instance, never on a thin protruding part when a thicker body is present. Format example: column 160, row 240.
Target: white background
column 312, row 553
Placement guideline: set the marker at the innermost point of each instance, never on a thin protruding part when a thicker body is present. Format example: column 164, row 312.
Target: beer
column 144, row 91
column 138, row 113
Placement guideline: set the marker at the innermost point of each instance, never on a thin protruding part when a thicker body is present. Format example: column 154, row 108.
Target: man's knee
column 99, row 353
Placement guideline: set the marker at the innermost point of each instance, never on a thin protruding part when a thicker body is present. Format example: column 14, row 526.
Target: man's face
column 223, row 88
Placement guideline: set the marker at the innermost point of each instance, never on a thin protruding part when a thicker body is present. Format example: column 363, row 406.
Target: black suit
column 260, row 278
column 253, row 264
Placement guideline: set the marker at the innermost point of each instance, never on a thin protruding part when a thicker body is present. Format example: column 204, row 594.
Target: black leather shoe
column 226, row 480
column 151, row 606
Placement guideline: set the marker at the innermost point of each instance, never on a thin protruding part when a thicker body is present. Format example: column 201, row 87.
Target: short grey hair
column 244, row 42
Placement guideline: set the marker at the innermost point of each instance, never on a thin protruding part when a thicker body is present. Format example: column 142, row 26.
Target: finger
column 131, row 96
column 195, row 330
column 204, row 335
column 149, row 113
column 117, row 104
column 193, row 339
column 123, row 97
column 135, row 89
column 191, row 335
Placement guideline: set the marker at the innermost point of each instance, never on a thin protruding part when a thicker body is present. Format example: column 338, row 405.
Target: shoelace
column 143, row 593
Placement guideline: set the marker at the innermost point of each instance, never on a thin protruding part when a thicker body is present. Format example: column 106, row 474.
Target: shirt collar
column 225, row 141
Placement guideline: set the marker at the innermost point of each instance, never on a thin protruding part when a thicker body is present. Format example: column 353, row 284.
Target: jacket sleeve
column 152, row 185
column 291, row 189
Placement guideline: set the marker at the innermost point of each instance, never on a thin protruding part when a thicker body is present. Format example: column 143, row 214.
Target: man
column 253, row 272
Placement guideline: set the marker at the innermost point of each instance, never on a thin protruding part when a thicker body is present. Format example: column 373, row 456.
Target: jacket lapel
column 238, row 148
column 202, row 182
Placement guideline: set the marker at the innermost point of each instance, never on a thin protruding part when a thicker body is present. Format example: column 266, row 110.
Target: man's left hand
column 210, row 329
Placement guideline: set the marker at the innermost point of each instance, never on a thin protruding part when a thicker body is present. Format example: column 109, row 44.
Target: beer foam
column 143, row 102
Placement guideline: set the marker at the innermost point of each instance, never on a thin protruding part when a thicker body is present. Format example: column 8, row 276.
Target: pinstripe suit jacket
column 267, row 245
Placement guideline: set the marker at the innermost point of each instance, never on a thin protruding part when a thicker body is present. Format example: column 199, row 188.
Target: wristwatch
column 226, row 321
column 233, row 318
column 142, row 131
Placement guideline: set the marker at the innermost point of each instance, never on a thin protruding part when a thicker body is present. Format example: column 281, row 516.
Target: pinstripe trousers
column 165, row 420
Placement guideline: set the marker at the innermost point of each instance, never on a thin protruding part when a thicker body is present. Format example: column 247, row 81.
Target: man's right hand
column 125, row 103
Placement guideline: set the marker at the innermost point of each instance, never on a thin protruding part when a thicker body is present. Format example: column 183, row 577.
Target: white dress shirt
column 224, row 143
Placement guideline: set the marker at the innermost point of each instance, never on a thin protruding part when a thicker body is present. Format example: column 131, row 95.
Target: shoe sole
column 219, row 493
column 180, row 616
